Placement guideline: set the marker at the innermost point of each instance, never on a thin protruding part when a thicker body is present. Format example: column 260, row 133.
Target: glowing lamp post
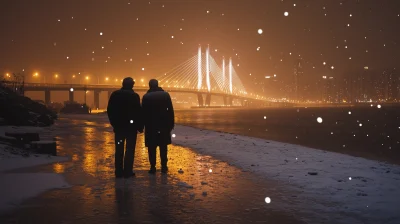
column 55, row 77
column 36, row 75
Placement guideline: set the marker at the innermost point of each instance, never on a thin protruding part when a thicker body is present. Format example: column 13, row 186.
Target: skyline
column 60, row 37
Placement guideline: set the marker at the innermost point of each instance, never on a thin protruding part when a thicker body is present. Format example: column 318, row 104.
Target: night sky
column 64, row 37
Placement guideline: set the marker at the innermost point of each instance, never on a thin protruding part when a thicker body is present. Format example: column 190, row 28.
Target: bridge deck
column 105, row 87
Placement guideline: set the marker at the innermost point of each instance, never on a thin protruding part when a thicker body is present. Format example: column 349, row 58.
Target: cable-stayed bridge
column 200, row 74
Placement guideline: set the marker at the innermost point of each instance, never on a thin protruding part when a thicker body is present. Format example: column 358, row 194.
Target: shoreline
column 370, row 133
column 362, row 155
column 297, row 142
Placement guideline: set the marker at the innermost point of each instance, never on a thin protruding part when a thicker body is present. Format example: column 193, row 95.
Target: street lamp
column 7, row 76
column 56, row 77
column 36, row 75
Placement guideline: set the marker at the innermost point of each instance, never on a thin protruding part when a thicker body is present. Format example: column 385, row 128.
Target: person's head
column 153, row 83
column 128, row 83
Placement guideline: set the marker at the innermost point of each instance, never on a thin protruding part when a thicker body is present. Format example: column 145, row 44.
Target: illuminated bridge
column 200, row 75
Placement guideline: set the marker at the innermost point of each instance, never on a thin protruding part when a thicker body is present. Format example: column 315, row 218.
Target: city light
column 56, row 76
column 106, row 78
column 73, row 76
column 87, row 77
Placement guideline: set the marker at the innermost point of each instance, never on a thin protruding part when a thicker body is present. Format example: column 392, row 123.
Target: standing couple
column 127, row 117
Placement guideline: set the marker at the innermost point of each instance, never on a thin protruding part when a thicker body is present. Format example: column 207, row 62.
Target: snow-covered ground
column 16, row 187
column 351, row 189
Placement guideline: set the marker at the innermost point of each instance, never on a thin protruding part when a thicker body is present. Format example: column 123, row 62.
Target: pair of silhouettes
column 128, row 117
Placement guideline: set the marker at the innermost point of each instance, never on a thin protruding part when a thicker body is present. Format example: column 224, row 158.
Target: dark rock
column 44, row 147
column 362, row 194
column 24, row 137
column 313, row 173
column 22, row 111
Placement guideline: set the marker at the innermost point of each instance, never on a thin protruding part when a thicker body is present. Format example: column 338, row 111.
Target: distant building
column 379, row 87
column 270, row 86
column 386, row 86
column 298, row 85
column 329, row 94
column 363, row 86
column 393, row 85
column 345, row 90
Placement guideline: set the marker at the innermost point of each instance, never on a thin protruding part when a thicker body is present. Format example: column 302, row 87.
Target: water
column 378, row 136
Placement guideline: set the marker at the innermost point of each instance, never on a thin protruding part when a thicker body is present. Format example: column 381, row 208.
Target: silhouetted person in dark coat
column 159, row 121
column 124, row 113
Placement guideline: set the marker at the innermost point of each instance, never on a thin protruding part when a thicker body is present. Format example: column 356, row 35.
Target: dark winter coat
column 159, row 118
column 124, row 111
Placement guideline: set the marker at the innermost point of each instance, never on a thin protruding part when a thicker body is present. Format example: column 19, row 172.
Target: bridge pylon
column 47, row 97
column 200, row 99
column 97, row 99
column 71, row 96
column 208, row 99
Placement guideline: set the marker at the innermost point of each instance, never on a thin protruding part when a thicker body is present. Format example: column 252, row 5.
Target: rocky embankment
column 22, row 111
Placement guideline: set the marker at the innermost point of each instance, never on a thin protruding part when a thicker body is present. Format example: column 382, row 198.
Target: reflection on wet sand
column 194, row 196
column 58, row 168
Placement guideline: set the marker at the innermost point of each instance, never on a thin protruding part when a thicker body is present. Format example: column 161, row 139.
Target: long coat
column 124, row 111
column 159, row 118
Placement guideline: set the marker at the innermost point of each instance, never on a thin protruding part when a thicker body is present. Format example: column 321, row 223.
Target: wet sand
column 378, row 138
column 232, row 196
